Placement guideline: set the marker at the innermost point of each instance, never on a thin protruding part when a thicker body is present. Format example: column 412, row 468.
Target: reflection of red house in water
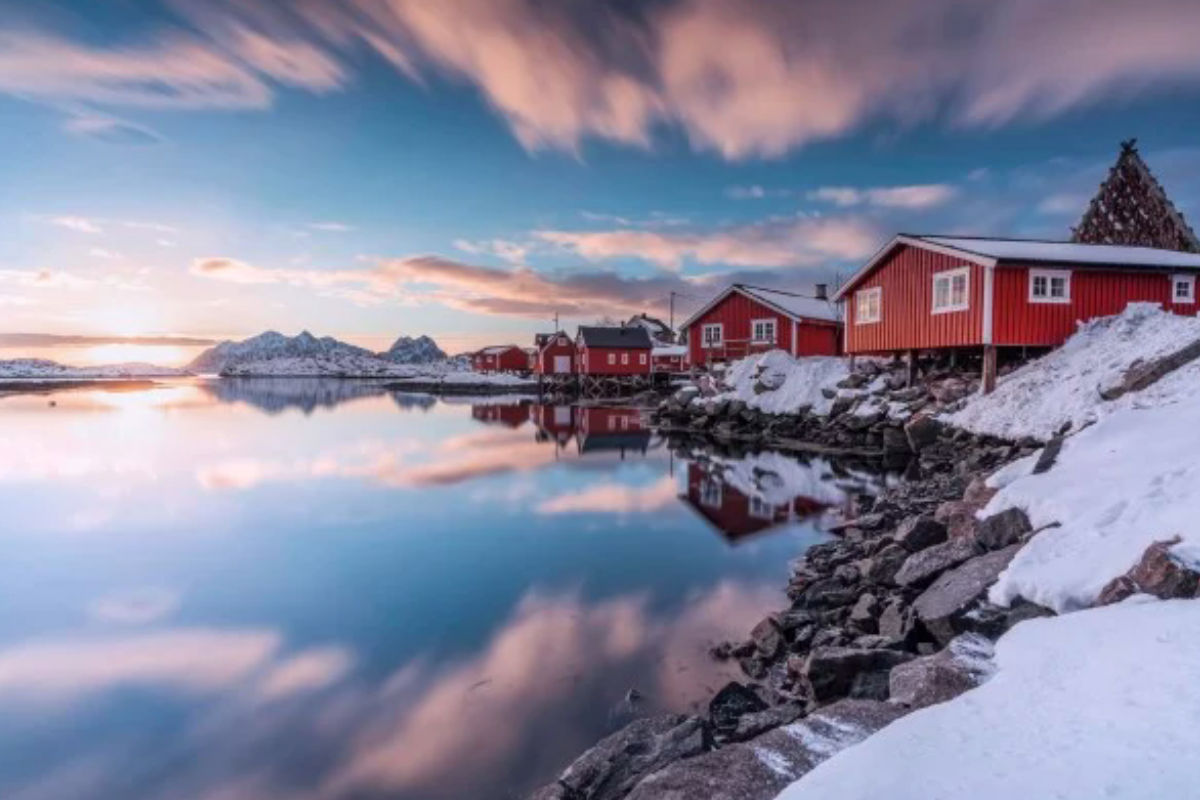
column 510, row 415
column 736, row 514
column 603, row 428
column 554, row 423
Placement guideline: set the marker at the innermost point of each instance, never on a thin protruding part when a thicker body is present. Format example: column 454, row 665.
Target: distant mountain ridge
column 273, row 346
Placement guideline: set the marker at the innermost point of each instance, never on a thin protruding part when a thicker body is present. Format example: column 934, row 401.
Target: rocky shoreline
column 888, row 617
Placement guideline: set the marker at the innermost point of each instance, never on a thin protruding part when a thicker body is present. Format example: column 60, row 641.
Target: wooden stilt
column 912, row 368
column 989, row 369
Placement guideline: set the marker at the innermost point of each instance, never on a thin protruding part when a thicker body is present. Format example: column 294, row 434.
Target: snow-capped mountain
column 409, row 350
column 42, row 369
column 271, row 345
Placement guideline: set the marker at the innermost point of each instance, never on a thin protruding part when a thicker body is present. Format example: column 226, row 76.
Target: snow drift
column 777, row 383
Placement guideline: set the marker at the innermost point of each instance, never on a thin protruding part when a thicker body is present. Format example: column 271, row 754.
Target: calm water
column 267, row 590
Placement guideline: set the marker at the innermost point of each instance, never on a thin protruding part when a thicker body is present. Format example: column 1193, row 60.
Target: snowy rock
column 917, row 533
column 832, row 672
column 1158, row 573
column 1001, row 530
column 940, row 607
column 1144, row 372
column 613, row 767
column 924, row 565
column 408, row 350
column 758, row 769
column 925, row 681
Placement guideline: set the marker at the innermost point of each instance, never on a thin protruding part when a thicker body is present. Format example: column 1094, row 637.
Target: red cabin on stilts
column 613, row 351
column 555, row 354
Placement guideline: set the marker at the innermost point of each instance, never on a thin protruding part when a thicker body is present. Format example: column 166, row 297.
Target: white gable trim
column 753, row 298
column 911, row 241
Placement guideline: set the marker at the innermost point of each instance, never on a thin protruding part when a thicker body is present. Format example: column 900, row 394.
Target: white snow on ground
column 1037, row 399
column 1099, row 704
column 1122, row 484
column 41, row 369
column 799, row 381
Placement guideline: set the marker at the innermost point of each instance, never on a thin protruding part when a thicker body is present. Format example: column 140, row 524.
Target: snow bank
column 41, row 369
column 1102, row 703
column 1063, row 386
column 779, row 384
column 1130, row 480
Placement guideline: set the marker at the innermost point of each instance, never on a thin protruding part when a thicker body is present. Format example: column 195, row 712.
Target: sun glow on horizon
column 163, row 355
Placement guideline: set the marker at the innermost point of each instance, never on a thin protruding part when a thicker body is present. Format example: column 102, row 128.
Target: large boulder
column 767, row 637
column 921, row 567
column 917, row 533
column 942, row 605
column 922, row 430
column 1158, row 573
column 613, row 767
column 729, row 705
column 896, row 621
column 963, row 664
column 882, row 567
column 759, row 769
column 833, row 672
column 1001, row 530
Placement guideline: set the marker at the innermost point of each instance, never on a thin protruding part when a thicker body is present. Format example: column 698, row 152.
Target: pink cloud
column 614, row 498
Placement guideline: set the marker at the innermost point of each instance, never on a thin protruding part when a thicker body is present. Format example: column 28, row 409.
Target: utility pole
column 672, row 303
column 556, row 322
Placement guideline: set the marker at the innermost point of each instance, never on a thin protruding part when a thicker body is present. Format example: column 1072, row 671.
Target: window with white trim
column 612, row 358
column 868, row 305
column 763, row 330
column 712, row 334
column 625, row 359
column 710, row 493
column 1049, row 286
column 1183, row 288
column 951, row 290
column 760, row 508
column 642, row 359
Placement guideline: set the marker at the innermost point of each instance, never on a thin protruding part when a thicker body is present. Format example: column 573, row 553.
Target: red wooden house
column 669, row 358
column 555, row 354
column 501, row 358
column 941, row 292
column 613, row 351
column 743, row 320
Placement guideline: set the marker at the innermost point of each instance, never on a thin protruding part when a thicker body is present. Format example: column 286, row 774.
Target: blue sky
column 366, row 169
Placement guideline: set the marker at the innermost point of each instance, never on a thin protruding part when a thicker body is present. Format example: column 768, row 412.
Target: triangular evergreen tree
column 1132, row 208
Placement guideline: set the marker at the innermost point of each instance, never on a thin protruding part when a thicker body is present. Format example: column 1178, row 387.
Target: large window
column 868, row 305
column 712, row 335
column 951, row 290
column 763, row 330
column 1183, row 288
column 1049, row 286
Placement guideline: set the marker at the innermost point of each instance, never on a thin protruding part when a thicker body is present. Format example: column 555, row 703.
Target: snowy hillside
column 777, row 383
column 409, row 350
column 41, row 369
column 271, row 345
column 337, row 364
column 1064, row 386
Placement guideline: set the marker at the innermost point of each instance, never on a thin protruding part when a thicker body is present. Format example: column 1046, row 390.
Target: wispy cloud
column 505, row 249
column 111, row 130
column 331, row 227
column 919, row 196
column 77, row 224
column 741, row 80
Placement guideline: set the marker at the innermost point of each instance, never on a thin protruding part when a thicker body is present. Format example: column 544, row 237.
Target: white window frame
column 712, row 493
column 948, row 277
column 774, row 323
column 612, row 359
column 865, row 295
column 1190, row 281
column 642, row 359
column 759, row 508
column 1049, row 275
column 707, row 343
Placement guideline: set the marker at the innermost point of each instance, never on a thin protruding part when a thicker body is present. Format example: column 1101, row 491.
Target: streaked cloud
column 77, row 224
column 741, row 81
column 331, row 227
column 111, row 130
column 55, row 340
column 919, row 196
column 504, row 249
column 614, row 498
column 134, row 606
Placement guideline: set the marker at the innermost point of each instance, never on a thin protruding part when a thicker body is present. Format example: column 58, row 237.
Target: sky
column 469, row 169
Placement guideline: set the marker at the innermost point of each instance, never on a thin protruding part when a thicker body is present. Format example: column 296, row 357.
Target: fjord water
column 264, row 589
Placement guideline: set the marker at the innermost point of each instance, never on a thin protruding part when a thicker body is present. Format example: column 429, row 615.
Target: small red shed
column 555, row 354
column 935, row 292
column 501, row 358
column 743, row 320
column 669, row 358
column 613, row 351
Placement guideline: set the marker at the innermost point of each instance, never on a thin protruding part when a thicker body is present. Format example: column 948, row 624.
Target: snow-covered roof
column 990, row 251
column 796, row 306
column 497, row 349
column 669, row 350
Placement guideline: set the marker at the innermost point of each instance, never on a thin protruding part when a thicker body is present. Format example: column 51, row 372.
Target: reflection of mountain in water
column 274, row 395
column 741, row 497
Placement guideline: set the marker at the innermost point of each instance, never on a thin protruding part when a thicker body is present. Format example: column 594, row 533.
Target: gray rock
column 1157, row 573
column 730, row 704
column 895, row 441
column 828, row 593
column 762, row 767
column 613, row 767
column 1048, row 455
column 917, row 533
column 922, row 431
column 959, row 518
column 767, row 637
column 925, row 681
column 751, row 725
column 923, row 566
column 940, row 607
column 865, row 613
column 1001, row 530
column 882, row 567
column 896, row 621
column 830, row 672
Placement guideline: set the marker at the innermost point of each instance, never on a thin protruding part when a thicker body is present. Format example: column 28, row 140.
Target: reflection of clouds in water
column 500, row 719
column 614, row 498
column 134, row 607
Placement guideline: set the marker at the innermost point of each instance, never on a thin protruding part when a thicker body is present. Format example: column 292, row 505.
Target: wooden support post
column 989, row 369
column 912, row 368
column 852, row 362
